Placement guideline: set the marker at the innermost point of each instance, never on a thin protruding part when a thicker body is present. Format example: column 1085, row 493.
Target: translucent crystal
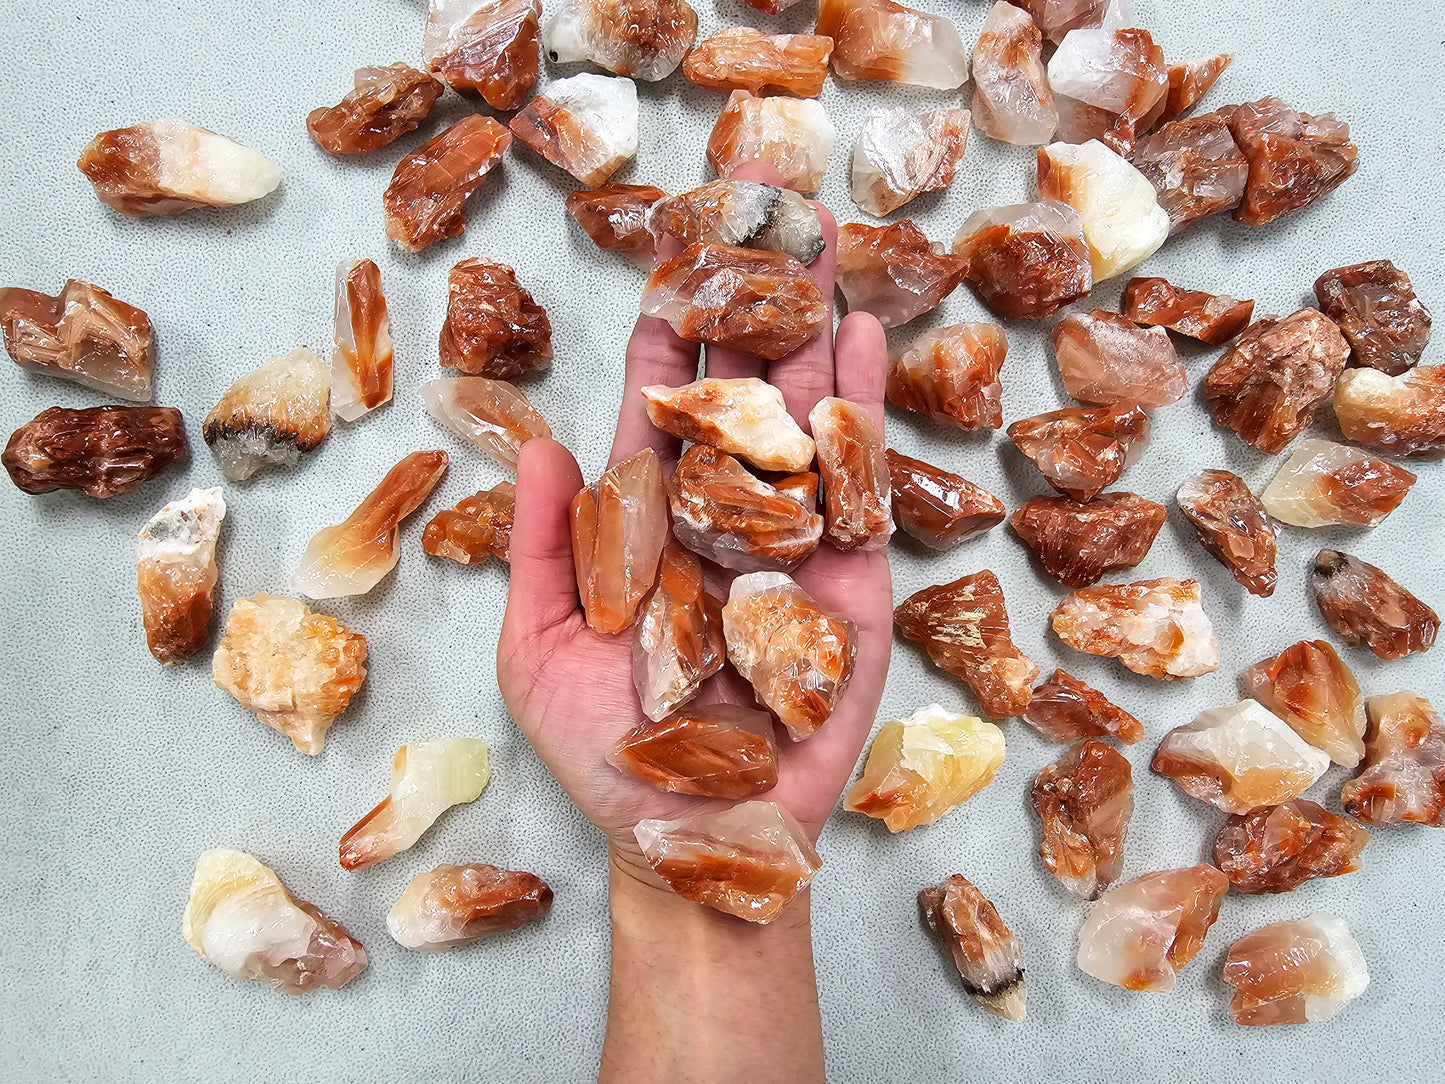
column 1294, row 972
column 894, row 271
column 1195, row 167
column 1190, row 80
column 854, row 474
column 794, row 136
column 101, row 451
column 615, row 216
column 480, row 526
column 1367, row 607
column 619, row 526
column 175, row 561
column 1377, row 311
column 878, row 39
column 1210, row 318
column 1026, row 260
column 950, row 374
column 645, row 39
column 83, row 335
column 1107, row 359
column 1109, row 84
column 456, row 905
column 679, row 641
column 741, row 58
column 1057, row 17
column 1404, row 774
column 900, row 155
column 1123, row 222
column 937, row 507
column 1012, row 100
column 1324, row 483
column 1294, row 158
column 1084, row 801
column 1077, row 543
column 361, row 366
column 493, row 327
column 488, row 47
column 1279, row 848
column 984, row 950
column 1309, row 687
column 1065, row 709
column 742, row 213
column 713, row 750
column 1403, row 415
column 492, row 414
column 1154, row 627
column 744, row 417
column 383, row 105
column 427, row 779
column 585, row 125
column 1233, row 526
column 271, row 415
column 427, row 198
column 1080, row 452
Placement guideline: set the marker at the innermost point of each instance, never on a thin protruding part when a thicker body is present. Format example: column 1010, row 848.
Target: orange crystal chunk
column 895, row 272
column 83, row 335
column 101, row 451
column 741, row 58
column 619, row 526
column 951, row 375
column 480, row 526
column 792, row 135
column 1141, row 933
column 1367, row 607
column 176, row 574
column 1065, row 709
column 713, row 750
column 1154, row 627
column 878, row 39
column 1294, row 158
column 854, row 473
column 1404, row 774
column 456, row 905
column 1309, row 687
column 615, row 216
column 1209, row 318
column 1084, row 801
column 679, row 641
column 1080, row 452
column 485, row 47
column 1077, row 543
column 427, row 198
column 361, row 367
column 382, row 106
column 1233, row 526
column 1279, row 848
column 984, row 950
column 493, row 327
column 1294, row 972
column 937, row 507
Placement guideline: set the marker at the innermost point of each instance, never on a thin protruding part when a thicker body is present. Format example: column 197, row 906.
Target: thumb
column 543, row 591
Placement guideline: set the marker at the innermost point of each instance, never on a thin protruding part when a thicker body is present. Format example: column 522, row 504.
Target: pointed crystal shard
column 895, row 272
column 1055, row 18
column 1080, row 452
column 585, row 125
column 797, row 657
column 1154, row 627
column 1084, row 801
column 101, row 451
column 1404, row 774
column 456, row 905
column 854, row 474
column 746, row 214
column 493, row 326
column 1294, row 972
column 296, row 669
column 937, row 507
column 361, row 366
column 984, row 950
column 383, row 105
column 1077, row 543
column 750, row 860
column 1324, row 483
column 619, row 526
column 1065, row 709
column 741, row 58
column 1309, row 687
column 899, row 156
column 1402, row 415
column 168, row 166
column 712, row 750
column 83, row 335
column 679, row 642
column 878, row 39
column 615, row 216
column 964, row 628
column 1279, row 848
column 1109, row 84
column 241, row 918
column 1107, row 359
column 644, row 39
column 1210, row 318
column 1189, row 82
column 1379, row 315
column 1027, row 260
column 1232, row 526
column 794, row 136
column 921, row 767
column 1366, row 607
column 492, row 414
column 486, row 47
column 176, row 573
column 745, row 417
column 1123, row 222
column 1195, row 167
column 271, row 415
column 1139, row 934
column 950, row 374
column 1012, row 100
column 1267, row 385
column 1294, row 158
column 427, row 198
column 480, row 526
column 427, row 779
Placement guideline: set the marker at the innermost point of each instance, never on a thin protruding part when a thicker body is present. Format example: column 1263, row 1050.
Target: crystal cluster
column 1077, row 543
column 427, row 198
column 1367, row 607
column 485, row 47
column 1233, row 526
column 1210, row 318
column 383, row 105
column 741, row 58
column 747, row 214
column 950, row 374
column 271, row 415
column 493, row 326
column 1278, row 848
column 854, row 472
column 1026, row 260
column 619, row 526
column 984, row 950
column 1106, row 359
column 456, row 905
column 1402, row 415
column 1324, row 483
column 101, row 451
column 1379, row 315
column 1141, row 933
column 1294, row 972
column 1155, row 627
column 894, row 271
column 1294, row 158
column 937, row 507
column 792, row 135
column 176, row 574
column 1123, row 222
column 361, row 367
column 1084, row 801
column 1404, row 774
column 585, row 125
column 83, row 335
column 1108, row 84
column 1195, row 167
column 615, row 216
column 745, row 417
column 1080, row 452
column 1065, row 709
column 494, row 415
column 1309, row 687
column 480, row 526
column 713, row 750
column 645, row 39
column 1012, row 100
column 899, row 156
column 879, row 39
column 679, row 641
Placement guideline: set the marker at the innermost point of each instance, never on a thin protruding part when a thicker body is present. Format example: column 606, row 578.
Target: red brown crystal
column 361, row 365
column 964, row 628
column 984, row 950
column 1294, row 158
column 1296, row 972
column 480, row 526
column 1377, row 311
column 1026, row 261
column 427, row 198
column 1084, row 801
column 1107, row 359
column 741, row 58
column 615, row 216
column 854, row 474
column 792, row 135
column 1309, row 687
column 1080, row 452
column 1279, row 848
column 1195, row 167
column 1403, row 415
column 488, row 48
column 1077, row 543
column 951, row 375
column 1366, row 607
column 894, row 271
column 679, row 642
column 101, row 451
column 456, row 905
column 493, row 327
column 879, row 39
column 1210, row 318
column 383, row 105
column 937, row 507
column 1065, row 709
column 748, row 214
column 1324, row 483
column 716, row 750
column 83, row 334
column 619, row 526
column 1233, row 526
column 176, row 574
column 1189, row 81
column 1404, row 774
column 1154, row 627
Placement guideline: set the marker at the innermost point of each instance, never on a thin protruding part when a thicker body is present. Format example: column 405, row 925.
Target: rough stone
column 747, row 214
column 1027, row 260
column 1294, row 158
column 427, row 198
column 984, row 950
column 101, row 451
column 1309, row 687
column 1375, row 307
column 1233, row 526
column 619, row 527
column 271, row 415
column 585, row 125
column 485, row 47
column 1210, row 318
column 1294, row 972
column 1402, row 415
column 1077, row 543
column 361, row 364
column 894, row 271
column 1404, row 774
column 1195, row 166
column 456, row 905
column 1279, row 848
column 900, row 155
column 744, row 417
column 792, row 135
column 937, row 507
column 83, row 335
column 176, row 574
column 1064, row 709
column 854, row 474
column 1081, row 451
column 1324, row 483
column 1367, row 607
column 1084, row 801
column 712, row 750
column 383, row 105
column 493, row 326
column 1012, row 100
column 879, row 39
column 645, row 39
column 950, row 374
column 1108, row 84
column 679, row 642
column 615, row 216
column 1123, row 222
column 1106, row 359
column 480, row 526
column 1154, row 627
column 492, row 414
column 741, row 58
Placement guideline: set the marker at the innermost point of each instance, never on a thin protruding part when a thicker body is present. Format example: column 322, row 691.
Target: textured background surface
column 118, row 773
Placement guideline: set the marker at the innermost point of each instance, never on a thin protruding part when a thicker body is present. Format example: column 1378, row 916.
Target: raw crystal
column 1403, row 415
column 792, row 135
column 894, row 271
column 1309, row 687
column 615, row 216
column 1123, row 222
column 1279, row 848
column 937, row 507
column 744, row 417
column 101, row 451
column 741, row 58
column 878, row 39
column 739, row 521
column 1376, row 309
column 83, row 335
column 1233, row 526
column 716, row 750
column 619, row 526
column 679, row 642
column 1210, row 318
column 1107, row 359
column 797, row 657
column 964, row 628
column 168, row 166
column 645, row 39
column 297, row 670
column 1108, row 84
column 1366, row 607
column 486, row 47
column 922, row 766
column 742, row 213
column 1267, row 385
column 353, row 556
column 1055, row 18
column 1084, row 801
column 1404, row 774
column 1296, row 972
column 427, row 779
column 1012, row 100
column 271, row 415
column 984, row 950
column 1080, row 452
column 456, row 905
column 755, row 302
column 1195, row 167
column 480, row 526
column 241, row 918
column 1324, row 483
column 1065, row 709
column 1077, row 543
column 383, row 105
column 427, row 198
column 854, row 474
column 493, row 327
column 175, row 562
column 1027, row 260
column 1294, row 158
column 1189, row 82
column 950, row 374
column 1154, row 627
column 899, row 156
column 361, row 364
column 1141, row 933
column 492, row 414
